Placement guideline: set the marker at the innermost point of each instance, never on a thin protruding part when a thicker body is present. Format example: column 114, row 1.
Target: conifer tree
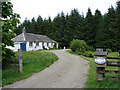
column 89, row 28
column 33, row 26
column 39, row 25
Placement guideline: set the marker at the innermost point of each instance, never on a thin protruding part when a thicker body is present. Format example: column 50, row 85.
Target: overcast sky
column 46, row 8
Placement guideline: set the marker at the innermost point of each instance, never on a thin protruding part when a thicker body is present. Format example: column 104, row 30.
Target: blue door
column 23, row 46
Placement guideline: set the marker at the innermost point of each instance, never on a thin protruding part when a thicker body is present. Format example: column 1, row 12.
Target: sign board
column 97, row 53
column 100, row 60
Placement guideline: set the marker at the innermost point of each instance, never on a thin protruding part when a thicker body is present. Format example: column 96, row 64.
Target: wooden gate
column 15, row 64
column 113, row 64
column 102, row 62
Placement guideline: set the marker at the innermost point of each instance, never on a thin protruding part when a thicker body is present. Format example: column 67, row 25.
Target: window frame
column 37, row 44
column 30, row 44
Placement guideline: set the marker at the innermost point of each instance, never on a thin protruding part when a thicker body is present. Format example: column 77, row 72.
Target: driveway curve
column 70, row 71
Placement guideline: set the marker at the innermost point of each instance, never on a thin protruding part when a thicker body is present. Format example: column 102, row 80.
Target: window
column 37, row 44
column 30, row 44
column 42, row 43
column 48, row 44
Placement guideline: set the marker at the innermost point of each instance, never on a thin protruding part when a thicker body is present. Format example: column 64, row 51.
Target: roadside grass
column 33, row 62
column 108, row 82
column 54, row 49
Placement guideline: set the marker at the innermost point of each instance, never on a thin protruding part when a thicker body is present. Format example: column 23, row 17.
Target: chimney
column 24, row 30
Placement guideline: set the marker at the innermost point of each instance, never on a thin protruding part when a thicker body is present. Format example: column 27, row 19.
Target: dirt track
column 68, row 72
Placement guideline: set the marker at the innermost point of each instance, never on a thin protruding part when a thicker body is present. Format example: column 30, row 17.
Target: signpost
column 100, row 60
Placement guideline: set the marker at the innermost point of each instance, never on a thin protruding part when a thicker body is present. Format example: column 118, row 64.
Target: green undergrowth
column 33, row 61
column 108, row 82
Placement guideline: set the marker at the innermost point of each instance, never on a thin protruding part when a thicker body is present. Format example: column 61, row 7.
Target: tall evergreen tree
column 74, row 26
column 47, row 27
column 89, row 28
column 97, row 26
column 39, row 25
column 107, row 34
column 60, row 25
column 27, row 25
column 33, row 26
column 118, row 25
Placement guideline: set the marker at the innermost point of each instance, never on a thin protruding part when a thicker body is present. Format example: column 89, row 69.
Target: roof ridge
column 32, row 37
column 24, row 37
column 36, row 34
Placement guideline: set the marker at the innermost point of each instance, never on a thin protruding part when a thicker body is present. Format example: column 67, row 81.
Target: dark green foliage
column 10, row 21
column 88, row 54
column 108, row 50
column 98, row 31
column 89, row 28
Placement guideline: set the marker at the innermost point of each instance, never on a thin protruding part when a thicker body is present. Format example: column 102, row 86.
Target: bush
column 77, row 45
column 90, row 48
column 108, row 50
column 89, row 54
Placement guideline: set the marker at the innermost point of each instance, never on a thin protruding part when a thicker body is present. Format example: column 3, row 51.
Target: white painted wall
column 45, row 45
column 28, row 48
column 32, row 48
column 57, row 45
column 40, row 46
column 16, row 46
column 50, row 45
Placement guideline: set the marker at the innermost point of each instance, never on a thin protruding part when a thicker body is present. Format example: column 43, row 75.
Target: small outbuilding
column 32, row 42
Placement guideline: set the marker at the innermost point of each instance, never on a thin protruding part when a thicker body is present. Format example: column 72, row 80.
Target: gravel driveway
column 68, row 72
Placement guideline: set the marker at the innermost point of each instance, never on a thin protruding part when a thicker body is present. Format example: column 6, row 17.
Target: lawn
column 33, row 62
column 107, row 82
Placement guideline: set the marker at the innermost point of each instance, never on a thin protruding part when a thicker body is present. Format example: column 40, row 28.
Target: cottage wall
column 45, row 45
column 28, row 48
column 57, row 45
column 31, row 48
column 34, row 47
column 50, row 45
column 40, row 46
column 16, row 46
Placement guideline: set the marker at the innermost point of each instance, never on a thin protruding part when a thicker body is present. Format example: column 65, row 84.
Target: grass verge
column 33, row 61
column 107, row 82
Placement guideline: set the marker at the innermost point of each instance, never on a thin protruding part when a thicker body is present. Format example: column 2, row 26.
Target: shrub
column 90, row 48
column 89, row 54
column 108, row 50
column 77, row 45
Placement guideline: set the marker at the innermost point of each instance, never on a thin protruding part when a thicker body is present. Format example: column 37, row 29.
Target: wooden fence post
column 100, row 61
column 100, row 72
column 20, row 60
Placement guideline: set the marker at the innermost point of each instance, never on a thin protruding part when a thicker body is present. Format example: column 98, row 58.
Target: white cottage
column 32, row 42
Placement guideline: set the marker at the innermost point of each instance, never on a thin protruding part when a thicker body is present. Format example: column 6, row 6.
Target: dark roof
column 24, row 37
column 99, row 53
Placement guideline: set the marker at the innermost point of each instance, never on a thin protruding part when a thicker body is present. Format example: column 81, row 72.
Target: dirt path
column 68, row 72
